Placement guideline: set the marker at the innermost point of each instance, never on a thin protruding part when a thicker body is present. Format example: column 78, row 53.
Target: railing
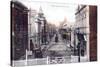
column 59, row 60
column 29, row 62
column 42, row 61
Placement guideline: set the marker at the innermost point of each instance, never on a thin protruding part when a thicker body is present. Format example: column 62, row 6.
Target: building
column 42, row 25
column 86, row 17
column 32, row 29
column 65, row 30
column 82, row 29
column 19, row 30
column 40, row 28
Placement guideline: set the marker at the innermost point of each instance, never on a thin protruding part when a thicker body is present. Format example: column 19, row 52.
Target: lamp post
column 78, row 33
column 29, row 26
column 74, row 43
column 45, row 33
column 70, row 35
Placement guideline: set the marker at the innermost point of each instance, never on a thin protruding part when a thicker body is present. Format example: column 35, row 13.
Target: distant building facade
column 19, row 30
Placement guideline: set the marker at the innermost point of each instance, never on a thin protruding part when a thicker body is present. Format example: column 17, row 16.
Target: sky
column 55, row 11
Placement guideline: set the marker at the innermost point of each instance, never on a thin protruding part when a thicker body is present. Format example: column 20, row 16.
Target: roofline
column 19, row 3
column 80, row 9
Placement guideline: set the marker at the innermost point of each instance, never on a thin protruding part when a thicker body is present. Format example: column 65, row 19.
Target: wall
column 93, row 32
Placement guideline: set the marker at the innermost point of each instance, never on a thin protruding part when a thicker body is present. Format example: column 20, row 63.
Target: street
column 42, row 36
column 58, row 52
column 54, row 53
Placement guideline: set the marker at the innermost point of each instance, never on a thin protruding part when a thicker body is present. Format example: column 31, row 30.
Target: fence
column 30, row 62
column 42, row 61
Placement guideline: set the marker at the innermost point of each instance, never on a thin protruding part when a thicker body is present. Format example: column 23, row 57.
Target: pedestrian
column 31, row 46
column 56, row 38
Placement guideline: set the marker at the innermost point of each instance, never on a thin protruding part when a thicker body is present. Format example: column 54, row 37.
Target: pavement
column 61, row 51
column 74, row 59
column 57, row 45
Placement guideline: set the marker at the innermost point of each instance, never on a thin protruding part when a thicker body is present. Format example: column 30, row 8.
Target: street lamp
column 70, row 35
column 74, row 42
column 45, row 33
column 78, row 33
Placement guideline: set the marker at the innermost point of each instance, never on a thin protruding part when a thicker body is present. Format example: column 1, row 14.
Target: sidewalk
column 75, row 59
column 51, row 43
column 60, row 47
column 57, row 45
column 45, row 47
column 29, row 62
